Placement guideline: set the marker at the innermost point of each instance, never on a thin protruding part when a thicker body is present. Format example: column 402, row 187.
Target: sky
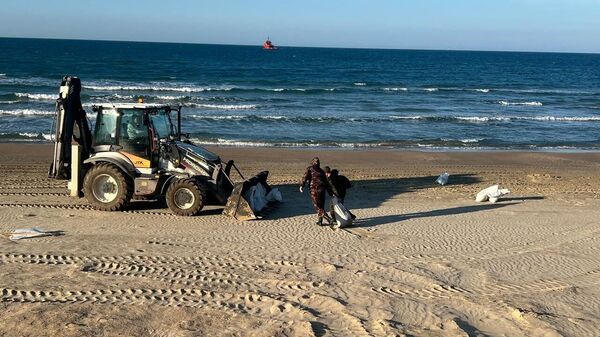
column 514, row 25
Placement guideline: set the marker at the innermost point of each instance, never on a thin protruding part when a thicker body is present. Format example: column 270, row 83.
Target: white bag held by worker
column 443, row 179
column 492, row 193
column 343, row 218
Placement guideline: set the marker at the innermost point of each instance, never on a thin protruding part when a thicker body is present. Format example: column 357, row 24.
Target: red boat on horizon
column 268, row 45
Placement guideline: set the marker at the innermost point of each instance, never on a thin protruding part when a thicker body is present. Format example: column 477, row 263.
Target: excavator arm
column 70, row 125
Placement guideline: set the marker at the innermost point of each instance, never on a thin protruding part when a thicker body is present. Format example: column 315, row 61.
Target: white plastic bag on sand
column 274, row 196
column 28, row 233
column 443, row 179
column 492, row 193
column 256, row 197
column 343, row 218
column 259, row 198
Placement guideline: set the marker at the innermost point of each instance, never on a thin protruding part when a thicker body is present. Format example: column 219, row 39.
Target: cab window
column 106, row 128
column 134, row 132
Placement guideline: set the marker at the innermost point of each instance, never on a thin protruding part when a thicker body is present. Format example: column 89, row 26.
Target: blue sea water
column 305, row 97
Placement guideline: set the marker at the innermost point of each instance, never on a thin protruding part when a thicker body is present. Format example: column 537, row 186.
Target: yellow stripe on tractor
column 138, row 162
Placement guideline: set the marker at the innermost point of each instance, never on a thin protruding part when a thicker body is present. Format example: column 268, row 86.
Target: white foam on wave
column 295, row 89
column 507, row 103
column 39, row 97
column 31, row 112
column 407, row 117
column 239, row 117
column 395, row 89
column 477, row 119
column 171, row 98
column 155, row 88
column 234, row 143
column 471, row 140
column 29, row 81
column 563, row 119
column 464, row 141
column 211, row 117
column 485, row 91
column 27, row 135
column 226, row 107
column 122, row 96
column 9, row 102
column 431, row 89
column 360, row 84
column 36, row 135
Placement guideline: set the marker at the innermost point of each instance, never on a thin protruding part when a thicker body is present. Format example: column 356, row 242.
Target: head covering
column 316, row 162
column 334, row 172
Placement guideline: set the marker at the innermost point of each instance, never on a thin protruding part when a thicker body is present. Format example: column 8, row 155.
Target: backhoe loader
column 137, row 150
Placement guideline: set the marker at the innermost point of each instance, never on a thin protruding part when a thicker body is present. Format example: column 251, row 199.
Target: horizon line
column 301, row 46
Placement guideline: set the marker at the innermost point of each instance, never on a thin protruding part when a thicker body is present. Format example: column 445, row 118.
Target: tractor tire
column 107, row 188
column 186, row 197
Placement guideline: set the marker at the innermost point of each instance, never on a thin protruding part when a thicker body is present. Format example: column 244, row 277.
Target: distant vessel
column 268, row 45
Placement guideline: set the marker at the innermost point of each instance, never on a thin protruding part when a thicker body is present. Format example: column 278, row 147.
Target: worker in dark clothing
column 339, row 185
column 315, row 177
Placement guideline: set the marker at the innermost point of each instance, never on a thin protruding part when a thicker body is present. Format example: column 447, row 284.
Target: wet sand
column 422, row 260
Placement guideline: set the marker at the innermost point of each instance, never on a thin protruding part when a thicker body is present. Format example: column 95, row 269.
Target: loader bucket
column 237, row 206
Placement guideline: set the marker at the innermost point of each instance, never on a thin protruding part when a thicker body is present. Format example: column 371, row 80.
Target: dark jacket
column 339, row 184
column 316, row 178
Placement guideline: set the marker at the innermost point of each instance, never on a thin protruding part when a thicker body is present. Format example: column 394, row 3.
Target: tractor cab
column 135, row 130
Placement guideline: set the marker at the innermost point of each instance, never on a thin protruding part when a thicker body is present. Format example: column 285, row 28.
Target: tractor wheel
column 107, row 188
column 186, row 197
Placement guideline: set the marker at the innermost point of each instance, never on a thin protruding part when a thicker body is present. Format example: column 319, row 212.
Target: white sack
column 256, row 197
column 443, row 179
column 342, row 215
column 492, row 193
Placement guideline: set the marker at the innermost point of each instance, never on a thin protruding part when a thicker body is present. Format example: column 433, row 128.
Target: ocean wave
column 426, row 143
column 286, row 89
column 430, row 89
column 563, row 119
column 154, row 88
column 224, row 107
column 477, row 119
column 395, row 89
column 32, row 112
column 270, row 118
column 542, row 91
column 485, row 91
column 384, row 119
column 38, row 97
column 9, row 102
column 25, row 136
column 116, row 96
column 507, row 103
column 171, row 98
column 471, row 140
column 181, row 87
column 408, row 117
column 298, row 144
column 360, row 84
column 30, row 81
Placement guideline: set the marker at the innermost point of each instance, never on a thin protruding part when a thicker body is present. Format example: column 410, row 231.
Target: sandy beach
column 422, row 259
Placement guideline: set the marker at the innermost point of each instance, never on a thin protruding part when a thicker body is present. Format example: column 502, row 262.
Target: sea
column 317, row 97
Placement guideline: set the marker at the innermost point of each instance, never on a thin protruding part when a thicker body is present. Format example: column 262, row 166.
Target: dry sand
column 423, row 260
